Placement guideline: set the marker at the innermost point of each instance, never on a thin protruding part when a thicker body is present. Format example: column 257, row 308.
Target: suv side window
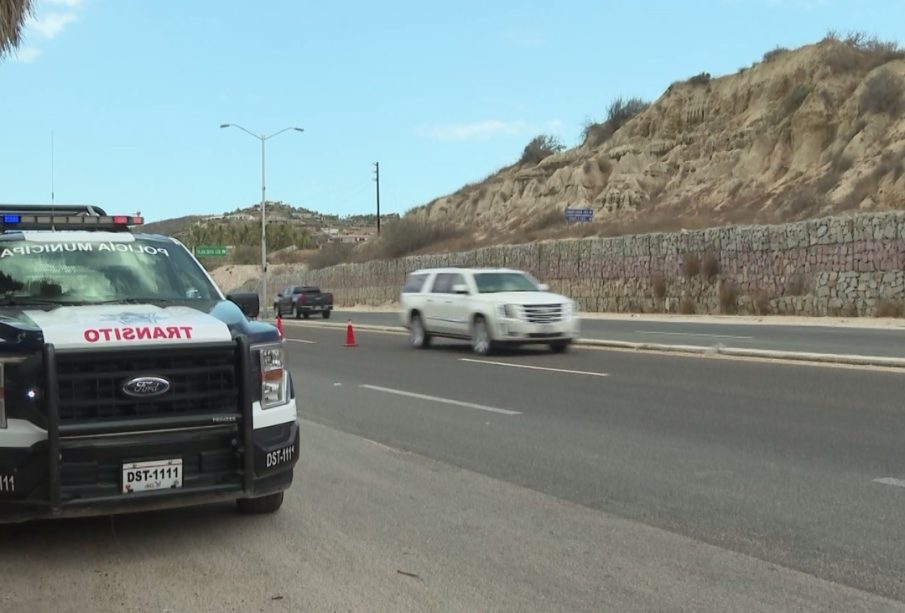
column 457, row 279
column 442, row 284
column 414, row 284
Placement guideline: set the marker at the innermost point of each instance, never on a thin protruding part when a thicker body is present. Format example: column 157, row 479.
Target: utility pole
column 52, row 195
column 377, row 179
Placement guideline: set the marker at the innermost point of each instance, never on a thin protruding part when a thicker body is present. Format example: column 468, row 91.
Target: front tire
column 481, row 341
column 560, row 346
column 418, row 336
column 260, row 506
column 326, row 314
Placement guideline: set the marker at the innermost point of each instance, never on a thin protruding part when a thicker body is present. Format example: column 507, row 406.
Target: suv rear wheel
column 418, row 336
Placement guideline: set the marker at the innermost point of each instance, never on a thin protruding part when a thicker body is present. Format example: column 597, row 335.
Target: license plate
column 547, row 328
column 155, row 475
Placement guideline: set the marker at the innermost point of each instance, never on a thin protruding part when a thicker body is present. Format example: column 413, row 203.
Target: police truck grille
column 203, row 380
column 543, row 313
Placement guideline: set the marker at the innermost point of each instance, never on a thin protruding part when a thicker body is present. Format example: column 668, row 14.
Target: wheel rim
column 481, row 339
column 417, row 332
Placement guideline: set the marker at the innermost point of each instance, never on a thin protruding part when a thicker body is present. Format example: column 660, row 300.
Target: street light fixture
column 263, row 138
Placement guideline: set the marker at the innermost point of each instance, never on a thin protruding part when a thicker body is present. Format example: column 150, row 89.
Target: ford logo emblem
column 146, row 387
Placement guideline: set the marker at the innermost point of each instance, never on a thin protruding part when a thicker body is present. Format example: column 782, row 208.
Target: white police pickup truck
column 128, row 381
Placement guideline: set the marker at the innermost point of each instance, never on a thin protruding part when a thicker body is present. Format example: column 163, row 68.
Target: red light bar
column 120, row 219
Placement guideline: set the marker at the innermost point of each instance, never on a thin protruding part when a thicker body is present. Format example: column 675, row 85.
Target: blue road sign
column 583, row 215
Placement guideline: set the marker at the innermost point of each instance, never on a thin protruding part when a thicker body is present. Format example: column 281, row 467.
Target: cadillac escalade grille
column 93, row 385
column 543, row 313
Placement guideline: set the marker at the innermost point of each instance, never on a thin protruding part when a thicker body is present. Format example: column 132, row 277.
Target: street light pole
column 263, row 138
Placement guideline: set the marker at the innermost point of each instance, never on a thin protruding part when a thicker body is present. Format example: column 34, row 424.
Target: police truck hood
column 119, row 325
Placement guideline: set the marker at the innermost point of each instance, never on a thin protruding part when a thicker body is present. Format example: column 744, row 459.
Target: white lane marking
column 529, row 367
column 458, row 403
column 691, row 334
column 301, row 340
column 891, row 481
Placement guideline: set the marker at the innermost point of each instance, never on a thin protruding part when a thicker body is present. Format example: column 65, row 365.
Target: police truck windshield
column 98, row 271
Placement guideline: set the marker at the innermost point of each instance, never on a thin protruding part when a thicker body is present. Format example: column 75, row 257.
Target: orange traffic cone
column 350, row 336
column 280, row 325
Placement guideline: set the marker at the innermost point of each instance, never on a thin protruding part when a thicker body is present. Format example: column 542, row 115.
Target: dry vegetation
column 888, row 308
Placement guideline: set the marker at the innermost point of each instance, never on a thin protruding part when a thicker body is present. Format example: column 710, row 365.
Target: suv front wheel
column 481, row 341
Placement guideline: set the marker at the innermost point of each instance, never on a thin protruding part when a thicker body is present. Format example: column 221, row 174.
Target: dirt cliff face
column 815, row 131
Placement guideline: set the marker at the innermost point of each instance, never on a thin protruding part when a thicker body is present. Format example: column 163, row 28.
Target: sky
column 132, row 93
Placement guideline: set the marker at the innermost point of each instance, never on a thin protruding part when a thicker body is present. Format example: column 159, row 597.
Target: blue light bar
column 11, row 219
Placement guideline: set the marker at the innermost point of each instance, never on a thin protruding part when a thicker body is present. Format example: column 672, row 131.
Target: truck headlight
column 274, row 388
column 568, row 309
column 509, row 311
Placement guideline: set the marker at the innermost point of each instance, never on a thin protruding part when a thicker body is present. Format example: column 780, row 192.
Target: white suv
column 487, row 306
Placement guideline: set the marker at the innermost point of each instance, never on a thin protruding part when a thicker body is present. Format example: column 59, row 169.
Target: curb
column 760, row 354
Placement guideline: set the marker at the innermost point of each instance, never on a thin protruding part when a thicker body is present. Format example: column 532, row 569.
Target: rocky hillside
column 804, row 133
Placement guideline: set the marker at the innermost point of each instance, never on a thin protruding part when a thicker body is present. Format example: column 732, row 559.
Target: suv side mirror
column 460, row 288
column 543, row 287
column 248, row 302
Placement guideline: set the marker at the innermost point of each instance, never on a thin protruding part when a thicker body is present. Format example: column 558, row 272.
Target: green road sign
column 210, row 251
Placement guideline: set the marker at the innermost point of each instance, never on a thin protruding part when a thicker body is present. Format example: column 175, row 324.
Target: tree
column 13, row 14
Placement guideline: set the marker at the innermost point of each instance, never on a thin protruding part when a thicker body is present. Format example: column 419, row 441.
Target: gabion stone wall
column 832, row 266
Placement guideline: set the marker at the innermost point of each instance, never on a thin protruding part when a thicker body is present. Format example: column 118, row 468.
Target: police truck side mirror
column 248, row 302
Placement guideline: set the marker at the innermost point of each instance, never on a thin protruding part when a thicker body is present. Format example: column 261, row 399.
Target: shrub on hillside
column 621, row 111
column 540, row 147
column 702, row 78
column 406, row 236
column 858, row 51
column 330, row 254
column 882, row 93
column 794, row 99
column 774, row 53
column 594, row 134
column 246, row 254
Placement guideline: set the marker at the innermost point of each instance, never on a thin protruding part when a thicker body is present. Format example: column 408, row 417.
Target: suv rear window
column 413, row 284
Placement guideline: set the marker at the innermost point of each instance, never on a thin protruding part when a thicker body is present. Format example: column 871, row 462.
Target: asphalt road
column 778, row 462
column 886, row 342
column 616, row 481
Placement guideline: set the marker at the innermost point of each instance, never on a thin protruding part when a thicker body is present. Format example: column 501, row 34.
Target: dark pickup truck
column 302, row 301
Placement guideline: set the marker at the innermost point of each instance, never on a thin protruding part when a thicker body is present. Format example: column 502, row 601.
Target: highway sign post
column 210, row 251
column 579, row 215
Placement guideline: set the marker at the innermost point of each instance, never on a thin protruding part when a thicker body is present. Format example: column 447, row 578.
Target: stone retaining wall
column 829, row 266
